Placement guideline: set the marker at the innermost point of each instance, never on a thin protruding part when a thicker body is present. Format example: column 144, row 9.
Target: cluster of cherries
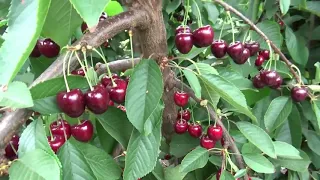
column 109, row 90
column 45, row 47
column 214, row 132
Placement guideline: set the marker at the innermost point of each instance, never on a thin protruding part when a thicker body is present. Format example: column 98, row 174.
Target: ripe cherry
column 235, row 49
column 184, row 42
column 97, row 100
column 195, row 130
column 118, row 93
column 48, row 48
column 206, row 142
column 56, row 142
column 219, row 48
column 82, row 132
column 71, row 103
column 185, row 114
column 106, row 80
column 281, row 23
column 183, row 29
column 60, row 127
column 259, row 61
column 269, row 77
column 218, row 174
column 12, row 147
column 181, row 98
column 215, row 132
column 79, row 72
column 111, row 103
column 257, row 82
column 253, row 47
column 299, row 94
column 277, row 83
column 181, row 126
column 265, row 54
column 203, row 36
column 243, row 57
column 35, row 52
column 167, row 157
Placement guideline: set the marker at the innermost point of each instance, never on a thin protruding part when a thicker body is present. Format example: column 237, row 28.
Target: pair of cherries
column 45, row 47
column 263, row 55
column 185, row 38
column 61, row 131
column 269, row 78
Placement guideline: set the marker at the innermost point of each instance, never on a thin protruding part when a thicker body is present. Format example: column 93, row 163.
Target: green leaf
column 106, row 140
column 313, row 140
column 286, row 150
column 278, row 112
column 249, row 148
column 216, row 160
column 240, row 173
column 115, row 122
column 236, row 78
column 85, row 161
column 180, row 145
column 193, row 53
column 258, row 163
column 194, row 82
column 212, row 11
column 153, row 119
column 35, row 165
column 297, row 48
column 294, row 121
column 25, row 23
column 258, row 137
column 90, row 11
column 228, row 92
column 317, row 66
column 61, row 26
column 316, row 109
column 196, row 159
column 143, row 93
column 172, row 6
column 313, row 7
column 173, row 173
column 284, row 6
column 113, row 8
column 203, row 68
column 272, row 31
column 39, row 65
column 225, row 175
column 4, row 8
column 260, row 109
column 142, row 153
column 32, row 138
column 299, row 165
column 158, row 171
column 17, row 95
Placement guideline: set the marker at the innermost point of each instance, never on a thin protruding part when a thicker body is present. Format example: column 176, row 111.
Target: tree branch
column 227, row 7
column 107, row 29
column 117, row 65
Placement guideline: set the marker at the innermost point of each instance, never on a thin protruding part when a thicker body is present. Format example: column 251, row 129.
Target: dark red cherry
column 167, row 157
column 82, row 132
column 56, row 142
column 183, row 29
column 118, row 92
column 203, row 36
column 35, row 52
column 184, row 114
column 48, row 48
column 281, row 23
column 215, row 132
column 181, row 98
column 206, row 142
column 106, row 44
column 265, row 54
column 259, row 61
column 181, row 126
column 269, row 77
column 79, row 72
column 97, row 100
column 299, row 94
column 243, row 58
column 12, row 147
column 71, row 103
column 219, row 48
column 257, row 82
column 106, row 80
column 235, row 49
column 111, row 103
column 60, row 128
column 218, row 174
column 277, row 83
column 253, row 47
column 195, row 130
column 183, row 42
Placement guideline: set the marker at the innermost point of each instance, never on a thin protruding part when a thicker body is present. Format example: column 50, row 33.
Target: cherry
column 243, row 58
column 167, row 157
column 206, row 142
column 111, row 103
column 281, row 23
column 106, row 80
column 195, row 130
column 82, row 132
column 259, row 61
column 79, row 72
column 253, row 47
column 56, row 142
column 215, row 132
column 184, row 42
column 71, row 103
column 299, row 94
column 218, row 174
column 106, row 44
column 269, row 77
column 118, row 93
column 48, row 48
column 277, row 83
column 60, row 127
column 9, row 151
column 35, row 52
column 97, row 100
column 203, row 36
column 219, row 48
column 257, row 82
column 235, row 49
column 185, row 114
column 265, row 54
column 181, row 98
column 181, row 126
column 183, row 29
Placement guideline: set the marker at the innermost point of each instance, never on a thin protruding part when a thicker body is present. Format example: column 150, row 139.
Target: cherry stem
column 185, row 18
column 208, row 115
column 108, row 69
column 64, row 71
column 131, row 47
column 69, row 62
column 245, row 36
column 224, row 22
column 199, row 13
column 299, row 73
column 14, row 149
column 232, row 27
column 91, row 59
column 190, row 60
column 64, row 130
column 85, row 71
column 79, row 122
